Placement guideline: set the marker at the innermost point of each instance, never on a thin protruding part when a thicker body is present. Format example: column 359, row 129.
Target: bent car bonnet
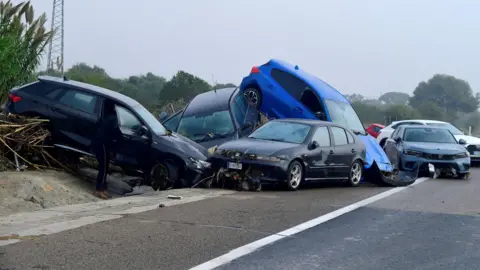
column 261, row 78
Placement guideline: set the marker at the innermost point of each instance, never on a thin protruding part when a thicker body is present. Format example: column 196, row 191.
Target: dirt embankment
column 33, row 190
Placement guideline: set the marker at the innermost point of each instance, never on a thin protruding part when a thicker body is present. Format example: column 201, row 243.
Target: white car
column 472, row 145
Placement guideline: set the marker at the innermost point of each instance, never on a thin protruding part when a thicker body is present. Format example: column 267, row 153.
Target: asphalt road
column 433, row 225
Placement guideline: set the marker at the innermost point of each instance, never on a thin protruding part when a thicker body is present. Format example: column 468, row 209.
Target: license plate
column 235, row 166
column 476, row 153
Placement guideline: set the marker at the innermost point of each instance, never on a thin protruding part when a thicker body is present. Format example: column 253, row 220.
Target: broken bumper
column 265, row 171
column 460, row 165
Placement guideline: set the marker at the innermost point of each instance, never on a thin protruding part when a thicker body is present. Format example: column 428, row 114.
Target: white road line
column 249, row 248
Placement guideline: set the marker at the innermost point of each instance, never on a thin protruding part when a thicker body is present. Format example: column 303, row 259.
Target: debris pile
column 23, row 143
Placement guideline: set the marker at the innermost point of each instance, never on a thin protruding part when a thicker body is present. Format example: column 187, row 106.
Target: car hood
column 375, row 153
column 434, row 148
column 468, row 139
column 256, row 146
column 186, row 146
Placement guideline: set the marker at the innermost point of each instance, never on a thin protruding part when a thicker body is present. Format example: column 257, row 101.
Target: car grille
column 439, row 157
column 236, row 155
column 472, row 148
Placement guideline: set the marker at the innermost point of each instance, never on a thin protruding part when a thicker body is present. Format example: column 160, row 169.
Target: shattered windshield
column 206, row 127
column 282, row 131
column 150, row 120
column 428, row 135
column 452, row 128
column 343, row 114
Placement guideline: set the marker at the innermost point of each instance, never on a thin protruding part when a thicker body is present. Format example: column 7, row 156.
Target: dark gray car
column 215, row 117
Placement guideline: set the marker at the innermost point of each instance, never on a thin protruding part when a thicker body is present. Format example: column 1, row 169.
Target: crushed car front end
column 248, row 171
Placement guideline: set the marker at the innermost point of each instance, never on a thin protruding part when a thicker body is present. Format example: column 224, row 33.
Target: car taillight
column 14, row 98
column 255, row 70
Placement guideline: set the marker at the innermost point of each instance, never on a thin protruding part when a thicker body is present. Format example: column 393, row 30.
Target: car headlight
column 268, row 158
column 200, row 164
column 413, row 153
column 462, row 155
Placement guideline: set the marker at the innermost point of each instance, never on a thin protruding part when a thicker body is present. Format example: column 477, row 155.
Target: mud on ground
column 34, row 190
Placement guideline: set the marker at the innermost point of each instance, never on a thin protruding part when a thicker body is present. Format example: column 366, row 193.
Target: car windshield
column 452, row 128
column 428, row 135
column 282, row 131
column 343, row 114
column 207, row 126
column 150, row 120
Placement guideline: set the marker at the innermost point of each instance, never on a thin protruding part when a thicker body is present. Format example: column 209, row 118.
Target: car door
column 246, row 117
column 133, row 149
column 288, row 106
column 391, row 145
column 343, row 152
column 74, row 116
column 172, row 122
column 318, row 158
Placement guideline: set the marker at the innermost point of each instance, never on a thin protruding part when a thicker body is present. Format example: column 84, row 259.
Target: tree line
column 442, row 97
column 23, row 39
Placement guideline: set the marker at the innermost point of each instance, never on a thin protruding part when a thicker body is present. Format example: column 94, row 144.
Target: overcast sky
column 359, row 46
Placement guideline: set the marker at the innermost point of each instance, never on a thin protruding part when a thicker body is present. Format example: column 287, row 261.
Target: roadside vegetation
column 23, row 40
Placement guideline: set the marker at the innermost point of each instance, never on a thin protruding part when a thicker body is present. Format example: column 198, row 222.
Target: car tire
column 355, row 173
column 163, row 175
column 295, row 175
column 464, row 176
column 254, row 97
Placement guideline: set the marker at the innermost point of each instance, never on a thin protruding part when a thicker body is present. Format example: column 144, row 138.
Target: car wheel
column 254, row 97
column 163, row 176
column 295, row 175
column 355, row 174
column 464, row 176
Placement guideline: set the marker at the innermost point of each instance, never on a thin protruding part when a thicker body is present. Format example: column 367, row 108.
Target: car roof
column 423, row 127
column 310, row 122
column 211, row 101
column 423, row 121
column 91, row 88
column 322, row 88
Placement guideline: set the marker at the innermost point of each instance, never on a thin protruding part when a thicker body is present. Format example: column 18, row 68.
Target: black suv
column 75, row 109
column 215, row 117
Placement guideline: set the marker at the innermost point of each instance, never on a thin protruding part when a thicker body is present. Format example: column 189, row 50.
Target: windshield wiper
column 277, row 140
column 356, row 132
column 211, row 136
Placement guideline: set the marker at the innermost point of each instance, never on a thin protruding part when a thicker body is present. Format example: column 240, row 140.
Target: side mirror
column 163, row 116
column 320, row 115
column 143, row 130
column 462, row 141
column 398, row 139
column 313, row 145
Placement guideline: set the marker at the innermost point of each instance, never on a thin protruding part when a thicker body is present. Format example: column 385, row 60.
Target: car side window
column 322, row 137
column 54, row 93
column 339, row 136
column 240, row 108
column 293, row 85
column 376, row 129
column 396, row 132
column 127, row 119
column 350, row 138
column 172, row 123
column 79, row 100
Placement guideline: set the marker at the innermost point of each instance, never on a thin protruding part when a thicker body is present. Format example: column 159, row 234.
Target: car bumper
column 265, row 171
column 461, row 165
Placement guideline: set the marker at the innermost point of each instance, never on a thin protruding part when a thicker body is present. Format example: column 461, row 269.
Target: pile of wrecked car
column 282, row 126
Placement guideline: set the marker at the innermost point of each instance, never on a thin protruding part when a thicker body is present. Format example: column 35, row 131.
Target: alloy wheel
column 295, row 176
column 356, row 173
